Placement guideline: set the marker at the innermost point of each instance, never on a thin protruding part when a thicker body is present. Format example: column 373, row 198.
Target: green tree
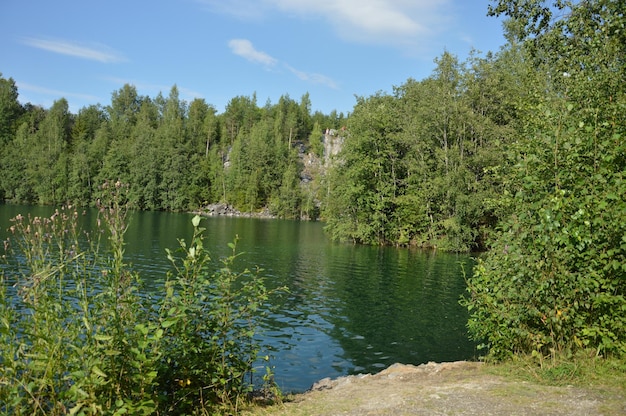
column 145, row 167
column 289, row 195
column 315, row 141
column 125, row 104
column 10, row 110
column 365, row 182
column 241, row 113
column 555, row 279
column 82, row 169
column 47, row 166
column 202, row 133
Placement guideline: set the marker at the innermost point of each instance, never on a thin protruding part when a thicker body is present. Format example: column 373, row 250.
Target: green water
column 350, row 309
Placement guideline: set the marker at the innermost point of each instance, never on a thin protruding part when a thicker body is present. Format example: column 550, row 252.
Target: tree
column 365, row 182
column 289, row 195
column 82, row 168
column 555, row 279
column 10, row 110
column 241, row 113
column 47, row 166
column 125, row 104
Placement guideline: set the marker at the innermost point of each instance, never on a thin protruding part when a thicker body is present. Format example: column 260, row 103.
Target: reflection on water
column 350, row 309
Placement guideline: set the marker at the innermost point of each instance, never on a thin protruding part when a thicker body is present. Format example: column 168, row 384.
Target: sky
column 216, row 50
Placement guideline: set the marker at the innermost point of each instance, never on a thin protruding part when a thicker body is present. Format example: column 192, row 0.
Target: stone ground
column 456, row 388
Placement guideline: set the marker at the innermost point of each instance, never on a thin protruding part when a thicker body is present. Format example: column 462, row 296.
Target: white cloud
column 368, row 19
column 392, row 22
column 98, row 53
column 313, row 77
column 245, row 49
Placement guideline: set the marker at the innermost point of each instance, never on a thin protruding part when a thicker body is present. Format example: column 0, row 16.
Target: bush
column 79, row 335
column 554, row 282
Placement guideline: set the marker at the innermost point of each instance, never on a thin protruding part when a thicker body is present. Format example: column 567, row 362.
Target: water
column 350, row 309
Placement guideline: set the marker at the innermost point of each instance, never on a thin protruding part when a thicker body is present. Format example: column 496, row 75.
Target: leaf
column 76, row 408
column 141, row 328
column 195, row 221
column 86, row 323
column 169, row 322
column 98, row 372
column 102, row 337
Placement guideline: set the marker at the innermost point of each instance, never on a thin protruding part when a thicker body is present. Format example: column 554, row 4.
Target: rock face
column 313, row 168
column 221, row 209
column 332, row 146
column 395, row 371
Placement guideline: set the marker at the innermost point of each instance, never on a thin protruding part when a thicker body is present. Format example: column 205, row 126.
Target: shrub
column 554, row 282
column 79, row 334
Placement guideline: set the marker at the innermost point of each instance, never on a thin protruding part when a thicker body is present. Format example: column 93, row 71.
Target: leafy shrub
column 554, row 282
column 80, row 336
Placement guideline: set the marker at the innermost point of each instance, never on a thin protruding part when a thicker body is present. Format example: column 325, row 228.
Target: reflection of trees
column 399, row 305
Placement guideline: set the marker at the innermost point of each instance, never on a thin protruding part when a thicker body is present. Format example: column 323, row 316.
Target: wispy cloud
column 368, row 20
column 242, row 9
column 54, row 93
column 313, row 77
column 94, row 52
column 245, row 49
column 392, row 22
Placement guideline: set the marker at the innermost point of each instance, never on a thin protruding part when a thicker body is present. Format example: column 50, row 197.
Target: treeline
column 418, row 167
column 434, row 163
column 175, row 155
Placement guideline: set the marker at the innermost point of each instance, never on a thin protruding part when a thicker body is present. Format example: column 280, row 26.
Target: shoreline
column 459, row 388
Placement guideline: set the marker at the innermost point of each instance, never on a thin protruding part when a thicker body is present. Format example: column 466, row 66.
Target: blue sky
column 85, row 50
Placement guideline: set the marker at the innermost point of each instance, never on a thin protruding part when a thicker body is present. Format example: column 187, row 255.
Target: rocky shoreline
column 226, row 210
column 449, row 388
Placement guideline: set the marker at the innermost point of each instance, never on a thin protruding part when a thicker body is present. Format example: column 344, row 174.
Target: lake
column 350, row 309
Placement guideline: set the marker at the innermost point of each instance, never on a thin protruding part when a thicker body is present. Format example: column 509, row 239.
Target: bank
column 463, row 388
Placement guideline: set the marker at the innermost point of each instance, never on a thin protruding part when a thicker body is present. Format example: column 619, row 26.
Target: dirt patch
column 456, row 388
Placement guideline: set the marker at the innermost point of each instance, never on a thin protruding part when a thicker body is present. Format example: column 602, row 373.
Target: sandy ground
column 456, row 388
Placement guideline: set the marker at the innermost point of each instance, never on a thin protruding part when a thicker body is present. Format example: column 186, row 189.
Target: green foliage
column 555, row 280
column 209, row 322
column 580, row 370
column 174, row 156
column 415, row 167
column 79, row 334
column 10, row 109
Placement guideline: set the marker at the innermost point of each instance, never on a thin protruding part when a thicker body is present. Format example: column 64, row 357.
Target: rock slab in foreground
column 455, row 388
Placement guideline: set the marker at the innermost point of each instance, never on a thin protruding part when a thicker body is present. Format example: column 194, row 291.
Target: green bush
column 554, row 282
column 79, row 334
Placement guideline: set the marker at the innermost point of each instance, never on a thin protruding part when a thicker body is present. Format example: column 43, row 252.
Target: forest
column 518, row 152
column 421, row 166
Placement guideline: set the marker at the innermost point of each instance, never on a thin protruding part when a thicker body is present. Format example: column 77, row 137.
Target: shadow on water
column 349, row 309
